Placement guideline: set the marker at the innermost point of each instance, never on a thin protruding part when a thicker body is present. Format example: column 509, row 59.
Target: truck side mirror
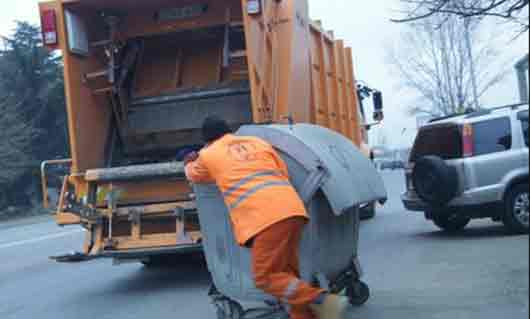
column 378, row 106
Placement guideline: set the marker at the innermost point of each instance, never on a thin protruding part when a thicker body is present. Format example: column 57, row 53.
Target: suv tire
column 516, row 209
column 435, row 182
column 450, row 223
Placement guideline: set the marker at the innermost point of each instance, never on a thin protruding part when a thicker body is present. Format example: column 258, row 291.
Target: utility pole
column 522, row 71
column 467, row 23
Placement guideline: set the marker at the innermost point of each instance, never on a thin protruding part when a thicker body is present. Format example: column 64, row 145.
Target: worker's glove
column 191, row 157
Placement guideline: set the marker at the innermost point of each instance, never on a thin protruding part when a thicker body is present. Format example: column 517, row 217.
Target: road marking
column 38, row 239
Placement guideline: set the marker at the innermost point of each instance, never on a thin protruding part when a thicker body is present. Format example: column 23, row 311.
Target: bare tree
column 438, row 62
column 515, row 11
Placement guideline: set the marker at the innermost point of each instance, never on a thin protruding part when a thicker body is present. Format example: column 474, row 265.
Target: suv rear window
column 444, row 141
column 492, row 136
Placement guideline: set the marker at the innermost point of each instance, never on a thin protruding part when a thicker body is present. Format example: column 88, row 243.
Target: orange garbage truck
column 140, row 78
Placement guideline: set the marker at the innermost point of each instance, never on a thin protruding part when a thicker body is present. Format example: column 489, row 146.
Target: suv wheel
column 516, row 217
column 450, row 223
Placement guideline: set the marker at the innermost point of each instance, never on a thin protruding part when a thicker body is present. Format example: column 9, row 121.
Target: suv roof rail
column 471, row 113
column 493, row 109
column 512, row 106
column 450, row 116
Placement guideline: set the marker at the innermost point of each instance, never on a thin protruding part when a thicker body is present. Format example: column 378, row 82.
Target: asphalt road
column 414, row 271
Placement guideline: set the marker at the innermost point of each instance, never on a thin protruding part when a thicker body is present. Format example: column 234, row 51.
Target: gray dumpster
column 333, row 178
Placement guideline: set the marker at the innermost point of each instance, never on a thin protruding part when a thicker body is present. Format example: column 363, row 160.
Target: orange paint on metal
column 158, row 240
column 355, row 107
column 152, row 191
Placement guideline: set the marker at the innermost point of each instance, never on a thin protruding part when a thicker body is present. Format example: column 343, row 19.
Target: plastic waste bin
column 333, row 178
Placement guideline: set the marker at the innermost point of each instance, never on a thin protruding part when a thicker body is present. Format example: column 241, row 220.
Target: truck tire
column 516, row 216
column 160, row 261
column 450, row 222
column 155, row 262
column 435, row 182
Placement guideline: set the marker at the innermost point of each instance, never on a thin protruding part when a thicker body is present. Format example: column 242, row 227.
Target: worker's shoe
column 333, row 307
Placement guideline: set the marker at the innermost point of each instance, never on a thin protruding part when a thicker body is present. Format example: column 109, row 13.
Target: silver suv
column 472, row 166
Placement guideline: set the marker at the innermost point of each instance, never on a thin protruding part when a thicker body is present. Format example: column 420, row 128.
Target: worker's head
column 214, row 128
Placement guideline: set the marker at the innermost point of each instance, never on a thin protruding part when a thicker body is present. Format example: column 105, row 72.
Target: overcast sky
column 367, row 29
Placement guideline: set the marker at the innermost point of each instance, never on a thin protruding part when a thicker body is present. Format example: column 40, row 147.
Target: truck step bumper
column 144, row 253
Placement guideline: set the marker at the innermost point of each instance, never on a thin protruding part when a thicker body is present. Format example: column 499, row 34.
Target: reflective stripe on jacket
column 254, row 182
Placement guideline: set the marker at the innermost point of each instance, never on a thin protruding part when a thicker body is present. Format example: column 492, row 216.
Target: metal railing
column 44, row 178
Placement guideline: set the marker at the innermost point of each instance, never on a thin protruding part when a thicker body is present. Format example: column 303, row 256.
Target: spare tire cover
column 435, row 182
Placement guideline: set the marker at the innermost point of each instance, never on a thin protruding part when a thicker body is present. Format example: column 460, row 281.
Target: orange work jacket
column 254, row 182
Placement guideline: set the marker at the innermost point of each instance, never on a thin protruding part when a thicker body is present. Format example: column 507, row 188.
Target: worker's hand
column 191, row 157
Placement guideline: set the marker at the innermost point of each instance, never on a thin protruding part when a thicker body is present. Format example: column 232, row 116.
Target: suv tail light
column 467, row 140
column 49, row 27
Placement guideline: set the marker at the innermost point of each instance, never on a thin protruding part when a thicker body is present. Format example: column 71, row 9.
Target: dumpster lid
column 352, row 179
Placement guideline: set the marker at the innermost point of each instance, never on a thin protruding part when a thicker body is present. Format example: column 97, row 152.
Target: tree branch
column 510, row 10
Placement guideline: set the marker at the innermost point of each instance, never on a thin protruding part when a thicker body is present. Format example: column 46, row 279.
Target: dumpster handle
column 313, row 182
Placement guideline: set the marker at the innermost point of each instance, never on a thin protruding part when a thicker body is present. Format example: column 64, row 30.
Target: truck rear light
column 49, row 27
column 467, row 140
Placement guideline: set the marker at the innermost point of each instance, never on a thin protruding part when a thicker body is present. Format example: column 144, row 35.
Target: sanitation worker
column 267, row 214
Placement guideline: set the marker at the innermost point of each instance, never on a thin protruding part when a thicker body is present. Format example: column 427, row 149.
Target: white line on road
column 38, row 239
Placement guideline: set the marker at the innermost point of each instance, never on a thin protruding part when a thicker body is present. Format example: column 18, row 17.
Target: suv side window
column 492, row 136
column 523, row 116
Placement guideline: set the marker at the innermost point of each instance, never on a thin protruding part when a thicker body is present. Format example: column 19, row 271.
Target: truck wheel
column 435, row 182
column 152, row 263
column 159, row 261
column 516, row 218
column 450, row 223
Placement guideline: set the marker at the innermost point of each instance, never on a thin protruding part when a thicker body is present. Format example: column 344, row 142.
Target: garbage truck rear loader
column 142, row 75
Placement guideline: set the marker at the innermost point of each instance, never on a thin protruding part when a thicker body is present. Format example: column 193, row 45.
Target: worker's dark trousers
column 275, row 254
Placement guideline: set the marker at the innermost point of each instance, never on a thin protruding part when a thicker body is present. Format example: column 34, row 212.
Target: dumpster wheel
column 228, row 309
column 358, row 293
